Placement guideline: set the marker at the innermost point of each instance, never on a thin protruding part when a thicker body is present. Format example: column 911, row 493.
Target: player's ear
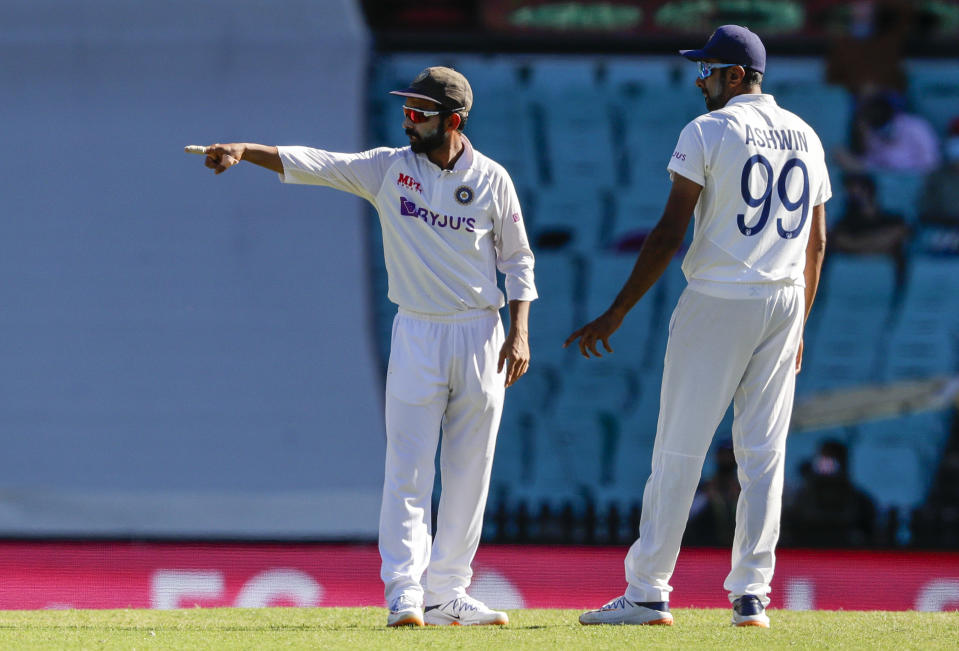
column 455, row 121
column 736, row 75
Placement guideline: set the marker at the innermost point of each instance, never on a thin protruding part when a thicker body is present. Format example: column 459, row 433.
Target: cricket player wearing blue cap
column 754, row 177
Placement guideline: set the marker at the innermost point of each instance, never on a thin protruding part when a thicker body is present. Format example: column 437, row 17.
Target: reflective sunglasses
column 418, row 115
column 706, row 69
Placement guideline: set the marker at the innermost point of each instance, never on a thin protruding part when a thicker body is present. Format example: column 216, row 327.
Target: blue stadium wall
column 182, row 354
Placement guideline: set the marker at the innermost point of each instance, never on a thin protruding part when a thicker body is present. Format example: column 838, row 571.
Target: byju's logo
column 407, row 181
column 436, row 220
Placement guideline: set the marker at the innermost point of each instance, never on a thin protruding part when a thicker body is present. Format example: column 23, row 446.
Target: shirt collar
column 465, row 161
column 764, row 98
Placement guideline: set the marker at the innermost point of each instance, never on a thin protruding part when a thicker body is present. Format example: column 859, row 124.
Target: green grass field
column 362, row 628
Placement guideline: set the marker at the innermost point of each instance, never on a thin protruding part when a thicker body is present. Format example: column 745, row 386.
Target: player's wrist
column 617, row 311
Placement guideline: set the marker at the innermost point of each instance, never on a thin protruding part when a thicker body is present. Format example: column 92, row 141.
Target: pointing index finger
column 573, row 337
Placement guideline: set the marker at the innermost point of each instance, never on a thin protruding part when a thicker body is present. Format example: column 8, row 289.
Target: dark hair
column 750, row 77
column 753, row 77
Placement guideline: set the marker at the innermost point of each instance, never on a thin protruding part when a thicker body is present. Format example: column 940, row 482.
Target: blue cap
column 732, row 44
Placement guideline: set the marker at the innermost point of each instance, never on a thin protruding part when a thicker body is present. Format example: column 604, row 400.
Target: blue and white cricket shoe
column 405, row 612
column 464, row 611
column 748, row 610
column 623, row 611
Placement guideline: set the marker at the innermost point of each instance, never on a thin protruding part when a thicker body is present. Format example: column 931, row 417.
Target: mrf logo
column 409, row 182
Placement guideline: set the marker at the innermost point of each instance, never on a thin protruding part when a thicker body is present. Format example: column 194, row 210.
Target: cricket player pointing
column 450, row 219
column 754, row 177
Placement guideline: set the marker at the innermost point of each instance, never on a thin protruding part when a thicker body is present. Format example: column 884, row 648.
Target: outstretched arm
column 658, row 249
column 220, row 158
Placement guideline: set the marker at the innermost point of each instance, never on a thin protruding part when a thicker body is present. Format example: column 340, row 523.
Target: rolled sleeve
column 514, row 257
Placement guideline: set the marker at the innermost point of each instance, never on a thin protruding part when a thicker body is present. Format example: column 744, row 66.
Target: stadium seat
column 487, row 73
column 529, row 402
column 515, row 457
column 892, row 474
column 577, row 138
column 553, row 75
column 929, row 276
column 845, row 336
column 652, row 118
column 924, row 341
column 637, row 433
column 899, row 193
column 638, row 209
column 926, row 433
column 607, row 384
column 934, row 91
column 582, row 212
column 782, row 71
column 501, row 127
column 561, row 475
column 648, row 71
column 559, row 276
column 608, row 273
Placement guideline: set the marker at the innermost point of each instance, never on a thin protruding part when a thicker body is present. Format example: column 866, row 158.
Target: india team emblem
column 464, row 194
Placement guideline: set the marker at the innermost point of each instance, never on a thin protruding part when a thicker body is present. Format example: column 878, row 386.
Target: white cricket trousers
column 721, row 349
column 442, row 373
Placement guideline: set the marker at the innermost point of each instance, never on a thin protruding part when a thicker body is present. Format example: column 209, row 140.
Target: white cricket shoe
column 405, row 612
column 464, row 611
column 623, row 611
column 748, row 610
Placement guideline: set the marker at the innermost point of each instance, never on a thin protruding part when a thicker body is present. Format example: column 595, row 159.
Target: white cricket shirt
column 762, row 169
column 445, row 232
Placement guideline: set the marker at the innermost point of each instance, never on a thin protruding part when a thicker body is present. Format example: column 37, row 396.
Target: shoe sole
column 653, row 622
column 458, row 623
column 752, row 623
column 411, row 620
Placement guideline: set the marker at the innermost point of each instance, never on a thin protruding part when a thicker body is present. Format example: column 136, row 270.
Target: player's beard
column 714, row 102
column 421, row 144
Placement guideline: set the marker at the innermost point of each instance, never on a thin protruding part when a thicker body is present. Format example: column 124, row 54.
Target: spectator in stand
column 828, row 510
column 870, row 52
column 865, row 228
column 712, row 517
column 887, row 138
column 940, row 194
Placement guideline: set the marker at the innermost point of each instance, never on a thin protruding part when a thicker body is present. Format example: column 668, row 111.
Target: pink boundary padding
column 36, row 575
